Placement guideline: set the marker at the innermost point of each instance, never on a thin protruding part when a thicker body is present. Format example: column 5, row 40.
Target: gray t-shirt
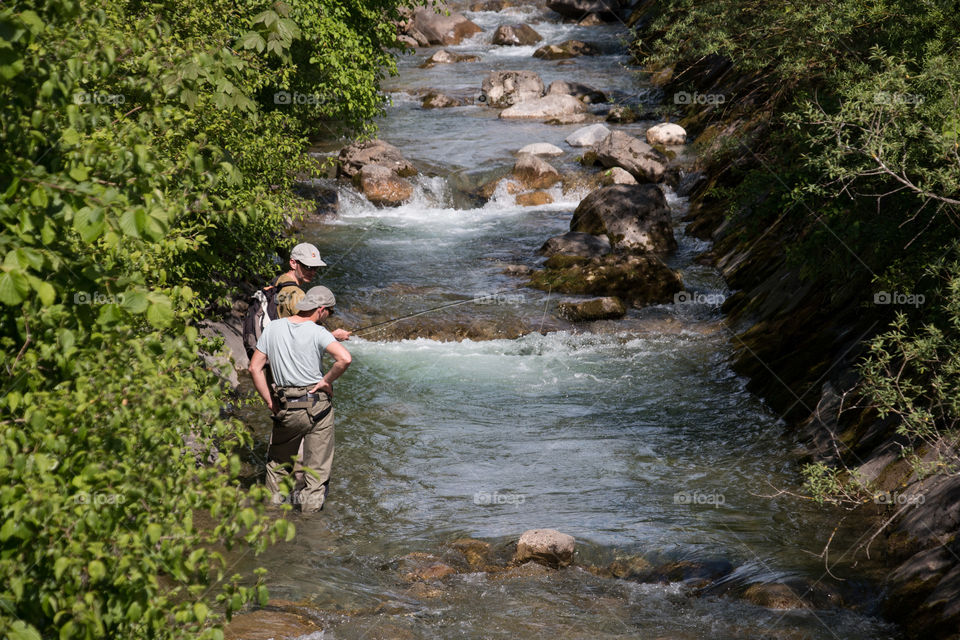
column 295, row 350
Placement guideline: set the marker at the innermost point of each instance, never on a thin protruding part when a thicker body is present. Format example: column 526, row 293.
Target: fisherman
column 304, row 262
column 303, row 407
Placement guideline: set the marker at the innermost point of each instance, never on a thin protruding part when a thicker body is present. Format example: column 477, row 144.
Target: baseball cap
column 307, row 254
column 316, row 297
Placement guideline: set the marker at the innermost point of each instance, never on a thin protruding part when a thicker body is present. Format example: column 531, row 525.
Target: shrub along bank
column 147, row 153
column 828, row 135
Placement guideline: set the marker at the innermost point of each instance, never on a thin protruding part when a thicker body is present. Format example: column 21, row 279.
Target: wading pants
column 310, row 423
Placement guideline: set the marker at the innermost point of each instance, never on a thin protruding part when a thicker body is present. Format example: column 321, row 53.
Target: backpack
column 262, row 310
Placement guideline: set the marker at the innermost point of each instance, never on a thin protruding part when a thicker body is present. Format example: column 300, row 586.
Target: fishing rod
column 475, row 300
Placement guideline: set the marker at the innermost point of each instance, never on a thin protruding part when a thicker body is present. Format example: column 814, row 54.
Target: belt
column 306, row 398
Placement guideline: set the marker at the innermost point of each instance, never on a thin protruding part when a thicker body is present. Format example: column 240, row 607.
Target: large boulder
column 638, row 279
column 514, row 35
column 542, row 149
column 438, row 28
column 579, row 9
column 589, row 136
column 555, row 106
column 606, row 308
column 577, row 243
column 636, row 156
column 545, row 546
column 533, row 173
column 634, row 218
column 506, row 88
column 445, row 57
column 382, row 186
column 354, row 157
column 579, row 91
column 666, row 133
column 568, row 49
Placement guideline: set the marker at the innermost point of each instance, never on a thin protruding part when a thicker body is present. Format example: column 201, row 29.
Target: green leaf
column 160, row 312
column 133, row 221
column 20, row 630
column 80, row 173
column 96, row 570
column 252, row 40
column 89, row 223
column 200, row 611
column 109, row 314
column 38, row 198
column 135, row 301
column 45, row 290
column 14, row 287
column 154, row 531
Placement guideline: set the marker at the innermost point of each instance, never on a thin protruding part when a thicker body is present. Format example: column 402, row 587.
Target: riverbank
column 799, row 336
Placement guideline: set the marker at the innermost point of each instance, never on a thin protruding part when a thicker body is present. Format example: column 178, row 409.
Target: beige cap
column 307, row 254
column 316, row 297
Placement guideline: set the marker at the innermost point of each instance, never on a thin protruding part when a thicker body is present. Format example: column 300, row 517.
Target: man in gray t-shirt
column 303, row 407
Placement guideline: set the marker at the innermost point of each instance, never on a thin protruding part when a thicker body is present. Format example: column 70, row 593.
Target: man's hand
column 341, row 334
column 324, row 386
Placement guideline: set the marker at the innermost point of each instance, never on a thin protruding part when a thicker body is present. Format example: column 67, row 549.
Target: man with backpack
column 279, row 300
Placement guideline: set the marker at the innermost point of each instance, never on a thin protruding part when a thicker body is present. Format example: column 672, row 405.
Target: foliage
column 141, row 177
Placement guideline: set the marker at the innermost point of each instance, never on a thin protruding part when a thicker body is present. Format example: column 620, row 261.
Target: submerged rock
column 632, row 217
column 581, row 92
column 435, row 100
column 548, row 547
column 513, row 35
column 266, row 624
column 555, row 106
column 445, row 57
column 638, row 279
column 636, row 156
column 605, row 308
column 666, row 133
column 534, row 199
column 568, row 49
column 506, row 88
column 577, row 243
column 542, row 149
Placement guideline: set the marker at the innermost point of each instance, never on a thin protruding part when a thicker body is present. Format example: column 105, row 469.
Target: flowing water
column 633, row 436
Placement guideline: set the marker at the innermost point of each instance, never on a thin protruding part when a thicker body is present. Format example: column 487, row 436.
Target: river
column 634, row 436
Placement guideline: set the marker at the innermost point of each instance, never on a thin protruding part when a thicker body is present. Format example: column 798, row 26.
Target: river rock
column 542, row 149
column 384, row 187
column 438, row 101
column 445, row 57
column 616, row 176
column 568, row 118
column 506, row 88
column 534, row 199
column 555, row 106
column 638, row 279
column 591, row 20
column 666, row 133
column 588, row 136
column 438, row 28
column 408, row 41
column 354, row 157
column 491, row 5
column 548, row 547
column 774, row 596
column 622, row 114
column 267, row 625
column 534, row 173
column 607, row 308
column 633, row 217
column 577, row 9
column 513, row 35
column 579, row 91
column 577, row 243
column 568, row 49
column 636, row 156
column 476, row 552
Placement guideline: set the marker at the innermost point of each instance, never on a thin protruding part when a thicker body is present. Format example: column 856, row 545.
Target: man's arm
column 256, row 369
column 342, row 360
column 341, row 334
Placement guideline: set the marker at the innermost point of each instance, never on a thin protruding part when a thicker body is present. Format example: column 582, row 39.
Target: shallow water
column 633, row 436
